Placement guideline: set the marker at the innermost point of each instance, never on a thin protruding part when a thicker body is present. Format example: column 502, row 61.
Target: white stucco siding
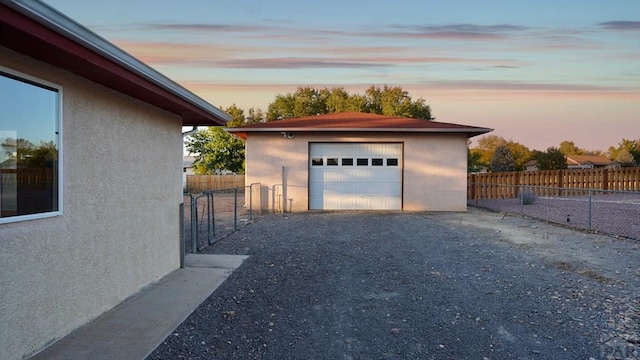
column 119, row 231
column 434, row 167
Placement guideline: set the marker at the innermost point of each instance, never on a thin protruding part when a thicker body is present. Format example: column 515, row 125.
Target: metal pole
column 212, row 216
column 194, row 225
column 182, row 236
column 250, row 201
column 235, row 209
column 589, row 209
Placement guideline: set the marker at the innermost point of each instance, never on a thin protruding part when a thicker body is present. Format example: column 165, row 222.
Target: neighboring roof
column 531, row 163
column 37, row 30
column 588, row 159
column 357, row 122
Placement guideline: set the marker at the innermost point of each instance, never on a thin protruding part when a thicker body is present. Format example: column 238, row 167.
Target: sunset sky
column 538, row 72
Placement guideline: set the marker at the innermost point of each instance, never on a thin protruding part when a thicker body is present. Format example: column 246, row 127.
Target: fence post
column 250, row 201
column 590, row 191
column 235, row 209
column 182, row 239
column 211, row 216
column 194, row 225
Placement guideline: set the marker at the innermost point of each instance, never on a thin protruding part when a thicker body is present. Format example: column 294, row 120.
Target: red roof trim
column 357, row 122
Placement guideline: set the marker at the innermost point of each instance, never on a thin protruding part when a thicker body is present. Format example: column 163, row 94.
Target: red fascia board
column 26, row 36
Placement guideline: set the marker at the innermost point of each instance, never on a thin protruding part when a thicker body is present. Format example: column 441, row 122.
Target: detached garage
column 357, row 161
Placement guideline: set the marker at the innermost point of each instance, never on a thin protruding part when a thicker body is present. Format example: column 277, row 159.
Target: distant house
column 531, row 165
column 590, row 162
column 579, row 162
column 187, row 168
column 89, row 176
column 358, row 161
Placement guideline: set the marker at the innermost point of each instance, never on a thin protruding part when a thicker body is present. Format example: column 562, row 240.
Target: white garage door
column 355, row 176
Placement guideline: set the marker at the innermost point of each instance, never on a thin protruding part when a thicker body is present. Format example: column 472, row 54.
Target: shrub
column 527, row 197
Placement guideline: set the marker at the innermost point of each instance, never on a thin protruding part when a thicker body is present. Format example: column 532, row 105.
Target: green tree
column 502, row 160
column 631, row 146
column 255, row 116
column 237, row 116
column 216, row 150
column 552, row 159
column 473, row 164
column 394, row 101
column 625, row 158
column 486, row 147
column 488, row 144
column 569, row 148
column 308, row 101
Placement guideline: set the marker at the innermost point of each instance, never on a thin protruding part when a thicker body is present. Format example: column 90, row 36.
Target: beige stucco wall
column 120, row 226
column 434, row 168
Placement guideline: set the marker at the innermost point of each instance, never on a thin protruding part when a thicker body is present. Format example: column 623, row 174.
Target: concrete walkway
column 133, row 329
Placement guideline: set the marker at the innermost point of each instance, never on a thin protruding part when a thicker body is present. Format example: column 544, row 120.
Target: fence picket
column 200, row 183
column 504, row 184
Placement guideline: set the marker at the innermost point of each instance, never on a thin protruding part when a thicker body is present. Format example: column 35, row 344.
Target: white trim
column 55, row 20
column 59, row 122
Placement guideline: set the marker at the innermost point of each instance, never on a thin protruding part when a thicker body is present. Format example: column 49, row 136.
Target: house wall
column 119, row 230
column 434, row 168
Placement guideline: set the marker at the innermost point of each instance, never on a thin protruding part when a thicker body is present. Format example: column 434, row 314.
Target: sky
column 537, row 72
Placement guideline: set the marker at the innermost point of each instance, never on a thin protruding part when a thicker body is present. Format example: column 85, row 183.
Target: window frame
column 38, row 82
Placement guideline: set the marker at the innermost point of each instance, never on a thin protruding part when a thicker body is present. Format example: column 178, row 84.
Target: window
column 392, row 162
column 317, row 162
column 347, row 162
column 332, row 162
column 30, row 185
column 376, row 162
column 363, row 162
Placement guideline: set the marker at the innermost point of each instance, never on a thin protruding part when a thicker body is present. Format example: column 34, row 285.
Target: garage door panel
column 347, row 185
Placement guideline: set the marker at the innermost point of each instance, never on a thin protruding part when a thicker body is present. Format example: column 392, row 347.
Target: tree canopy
column 388, row 100
column 552, row 159
column 215, row 149
column 502, row 160
column 487, row 146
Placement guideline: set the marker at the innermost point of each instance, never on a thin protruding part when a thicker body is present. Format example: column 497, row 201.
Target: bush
column 527, row 197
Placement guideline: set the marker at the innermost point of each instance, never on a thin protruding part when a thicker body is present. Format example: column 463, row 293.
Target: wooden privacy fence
column 200, row 183
column 551, row 182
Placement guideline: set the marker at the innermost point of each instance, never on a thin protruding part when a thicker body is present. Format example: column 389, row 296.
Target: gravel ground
column 611, row 213
column 472, row 285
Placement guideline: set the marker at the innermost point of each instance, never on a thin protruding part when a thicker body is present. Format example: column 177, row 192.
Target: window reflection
column 28, row 147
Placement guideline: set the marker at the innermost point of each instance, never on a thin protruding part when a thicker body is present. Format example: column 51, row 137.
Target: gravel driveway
column 469, row 285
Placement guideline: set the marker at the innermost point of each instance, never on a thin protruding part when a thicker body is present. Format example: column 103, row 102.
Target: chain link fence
column 609, row 212
column 212, row 215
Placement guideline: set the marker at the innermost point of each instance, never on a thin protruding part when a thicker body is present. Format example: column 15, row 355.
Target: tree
column 394, row 101
column 569, row 148
column 502, row 160
column 306, row 101
column 631, row 146
column 552, row 159
column 216, row 150
column 255, row 116
column 625, row 158
column 473, row 164
column 237, row 116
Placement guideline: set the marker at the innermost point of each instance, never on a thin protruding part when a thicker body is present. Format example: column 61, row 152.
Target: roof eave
column 61, row 24
column 469, row 132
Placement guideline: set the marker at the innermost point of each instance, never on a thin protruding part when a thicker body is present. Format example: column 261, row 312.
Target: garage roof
column 358, row 122
column 41, row 32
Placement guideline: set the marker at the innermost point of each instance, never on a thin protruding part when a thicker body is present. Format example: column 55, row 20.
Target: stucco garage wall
column 434, row 174
column 119, row 230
